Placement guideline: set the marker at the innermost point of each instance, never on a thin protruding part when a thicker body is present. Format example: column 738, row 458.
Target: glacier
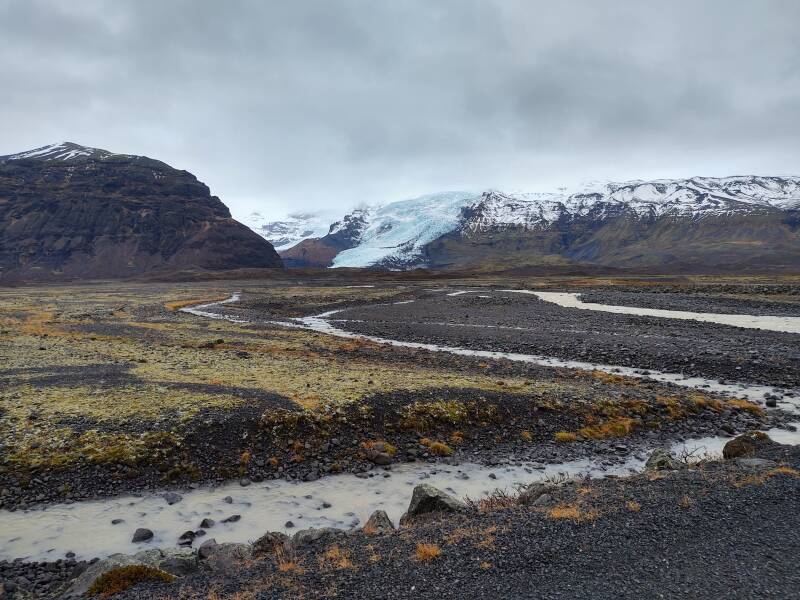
column 397, row 232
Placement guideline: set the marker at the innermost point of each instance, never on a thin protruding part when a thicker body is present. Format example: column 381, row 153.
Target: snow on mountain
column 60, row 151
column 290, row 231
column 395, row 233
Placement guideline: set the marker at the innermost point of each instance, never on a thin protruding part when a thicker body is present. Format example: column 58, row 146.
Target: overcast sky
column 286, row 105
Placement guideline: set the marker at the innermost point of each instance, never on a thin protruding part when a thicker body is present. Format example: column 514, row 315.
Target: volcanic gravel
column 695, row 303
column 722, row 530
column 525, row 324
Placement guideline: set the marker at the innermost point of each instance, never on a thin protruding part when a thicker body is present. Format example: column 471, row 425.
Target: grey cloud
column 318, row 103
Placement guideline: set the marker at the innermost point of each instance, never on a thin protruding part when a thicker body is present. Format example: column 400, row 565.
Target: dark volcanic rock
column 70, row 211
column 746, row 444
column 428, row 499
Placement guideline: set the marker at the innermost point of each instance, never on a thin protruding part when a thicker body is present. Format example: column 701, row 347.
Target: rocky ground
column 117, row 391
column 520, row 323
column 111, row 389
column 705, row 530
column 732, row 300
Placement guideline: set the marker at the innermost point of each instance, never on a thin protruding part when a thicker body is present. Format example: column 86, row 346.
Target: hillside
column 71, row 211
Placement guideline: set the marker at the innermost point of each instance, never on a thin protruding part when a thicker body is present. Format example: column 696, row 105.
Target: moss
column 122, row 578
column 614, row 428
column 565, row 436
column 425, row 416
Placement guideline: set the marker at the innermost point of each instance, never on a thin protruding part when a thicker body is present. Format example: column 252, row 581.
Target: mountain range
column 68, row 210
column 696, row 223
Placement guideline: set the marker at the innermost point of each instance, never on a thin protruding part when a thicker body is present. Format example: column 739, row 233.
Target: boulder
column 226, row 557
column 379, row 522
column 267, row 543
column 427, row 499
column 379, row 458
column 661, row 460
column 746, row 444
column 142, row 535
column 172, row 498
column 206, row 549
column 207, row 523
column 176, row 561
column 532, row 493
column 325, row 535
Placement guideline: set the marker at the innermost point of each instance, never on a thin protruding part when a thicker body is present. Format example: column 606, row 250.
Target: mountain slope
column 71, row 211
column 699, row 222
column 290, row 231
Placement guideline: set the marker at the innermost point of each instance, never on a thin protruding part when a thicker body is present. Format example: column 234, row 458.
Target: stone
column 226, row 557
column 142, row 535
column 227, row 500
column 745, row 445
column 172, row 498
column 117, row 521
column 177, row 561
column 325, row 535
column 244, row 482
column 772, row 402
column 268, row 542
column 379, row 522
column 428, row 499
column 378, row 458
column 207, row 523
column 232, row 519
column 532, row 493
column 756, row 463
column 206, row 549
column 661, row 460
column 543, row 500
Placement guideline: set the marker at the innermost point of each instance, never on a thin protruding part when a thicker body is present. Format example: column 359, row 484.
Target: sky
column 321, row 105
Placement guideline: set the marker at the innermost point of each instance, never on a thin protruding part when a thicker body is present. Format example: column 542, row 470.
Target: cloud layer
column 317, row 104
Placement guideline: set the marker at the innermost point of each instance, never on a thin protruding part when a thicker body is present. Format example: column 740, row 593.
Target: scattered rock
column 378, row 458
column 267, row 543
column 379, row 522
column 206, row 549
column 232, row 519
column 661, row 460
column 532, row 493
column 324, row 535
column 428, row 499
column 746, row 444
column 142, row 535
column 172, row 498
column 226, row 557
column 207, row 523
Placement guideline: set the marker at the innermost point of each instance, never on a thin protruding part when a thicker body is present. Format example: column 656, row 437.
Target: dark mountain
column 71, row 211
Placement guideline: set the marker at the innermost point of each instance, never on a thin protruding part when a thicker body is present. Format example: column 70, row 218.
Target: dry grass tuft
column 572, row 512
column 745, row 405
column 336, row 558
column 437, row 447
column 613, row 428
column 526, row 435
column 427, row 552
column 565, row 436
column 122, row 578
column 633, row 506
column 287, row 562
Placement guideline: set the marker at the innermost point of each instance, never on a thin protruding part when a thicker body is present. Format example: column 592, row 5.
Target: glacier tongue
column 397, row 232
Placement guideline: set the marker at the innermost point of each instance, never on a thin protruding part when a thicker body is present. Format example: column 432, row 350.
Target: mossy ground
column 115, row 374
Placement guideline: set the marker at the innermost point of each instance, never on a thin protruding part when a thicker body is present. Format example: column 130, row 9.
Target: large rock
column 379, row 522
column 142, row 535
column 427, row 499
column 177, row 561
column 746, row 444
column 268, row 542
column 226, row 557
column 661, row 460
column 323, row 535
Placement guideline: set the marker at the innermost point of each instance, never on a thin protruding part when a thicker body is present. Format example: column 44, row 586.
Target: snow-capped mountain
column 290, row 231
column 587, row 223
column 62, row 151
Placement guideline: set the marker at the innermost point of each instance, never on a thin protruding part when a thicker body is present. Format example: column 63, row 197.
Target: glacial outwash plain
column 274, row 417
